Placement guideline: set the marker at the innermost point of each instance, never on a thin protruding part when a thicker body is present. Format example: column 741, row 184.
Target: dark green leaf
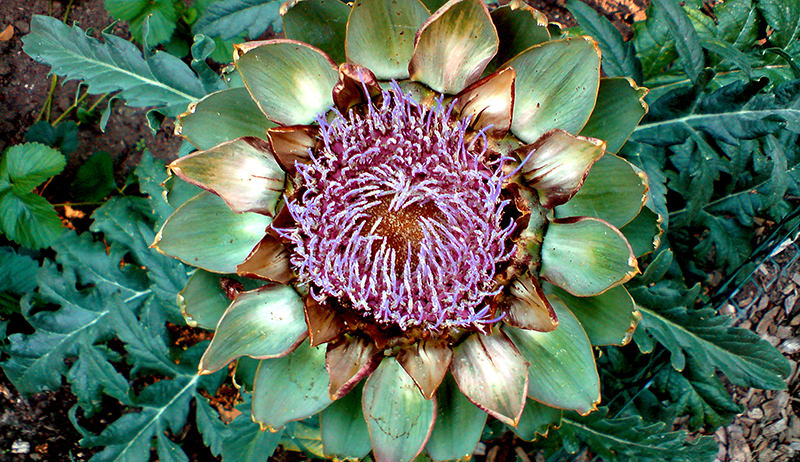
column 740, row 354
column 227, row 19
column 36, row 361
column 702, row 397
column 116, row 65
column 91, row 376
column 784, row 17
column 619, row 58
column 210, row 426
column 63, row 136
column 247, row 442
column 686, row 42
column 632, row 439
column 164, row 407
column 17, row 272
column 161, row 14
column 95, row 178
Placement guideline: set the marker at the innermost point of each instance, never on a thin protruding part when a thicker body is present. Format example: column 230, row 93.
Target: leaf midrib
column 687, row 119
column 157, row 416
column 614, row 438
column 704, row 341
column 79, row 57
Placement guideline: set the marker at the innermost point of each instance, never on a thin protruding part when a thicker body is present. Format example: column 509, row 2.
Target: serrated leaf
column 213, row 430
column 36, row 361
column 784, row 17
column 161, row 15
column 687, row 44
column 619, row 57
column 247, row 443
column 164, row 407
column 227, row 19
column 115, row 65
column 29, row 220
column 125, row 222
column 28, row 165
column 91, row 376
column 733, row 112
column 702, row 397
column 654, row 43
column 632, row 439
column 740, row 354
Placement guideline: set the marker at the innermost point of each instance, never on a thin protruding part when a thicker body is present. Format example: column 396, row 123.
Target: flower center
column 400, row 217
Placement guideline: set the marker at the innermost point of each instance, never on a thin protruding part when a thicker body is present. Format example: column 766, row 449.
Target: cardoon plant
column 433, row 204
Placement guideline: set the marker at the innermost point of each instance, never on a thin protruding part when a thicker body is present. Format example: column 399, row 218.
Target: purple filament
column 400, row 218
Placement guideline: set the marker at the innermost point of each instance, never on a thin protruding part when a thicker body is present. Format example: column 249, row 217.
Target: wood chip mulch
column 769, row 428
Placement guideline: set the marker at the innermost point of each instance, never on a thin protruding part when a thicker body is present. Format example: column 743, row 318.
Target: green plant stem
column 69, row 109
column 48, row 103
column 77, row 203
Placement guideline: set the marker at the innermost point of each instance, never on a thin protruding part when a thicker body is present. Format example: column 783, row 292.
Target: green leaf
column 609, row 319
column 619, row 58
column 378, row 38
column 213, row 430
column 91, row 376
column 28, row 165
column 36, row 361
column 729, row 114
column 147, row 350
column 227, row 19
column 17, row 272
column 29, row 220
column 126, row 223
column 690, row 53
column 264, row 323
column 63, row 136
column 701, row 396
column 614, row 191
column 202, row 300
column 630, row 438
column 161, row 14
column 654, row 43
column 95, row 178
column 164, row 407
column 247, row 443
column 784, row 17
column 321, row 23
column 222, row 116
column 586, row 256
column 292, row 387
column 399, row 418
column 740, row 354
column 620, row 107
column 115, row 65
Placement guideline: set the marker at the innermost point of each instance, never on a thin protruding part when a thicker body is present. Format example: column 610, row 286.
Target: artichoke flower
column 434, row 208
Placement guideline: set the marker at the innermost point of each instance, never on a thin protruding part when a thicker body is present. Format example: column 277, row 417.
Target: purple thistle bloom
column 400, row 216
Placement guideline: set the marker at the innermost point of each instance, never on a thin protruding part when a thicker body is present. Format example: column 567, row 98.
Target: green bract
column 441, row 223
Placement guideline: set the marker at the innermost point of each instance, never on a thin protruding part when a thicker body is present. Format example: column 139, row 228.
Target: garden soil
column 38, row 428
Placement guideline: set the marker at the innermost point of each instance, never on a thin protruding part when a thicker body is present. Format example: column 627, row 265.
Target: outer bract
column 428, row 253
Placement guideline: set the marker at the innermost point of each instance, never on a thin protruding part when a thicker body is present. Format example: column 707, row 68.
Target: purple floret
column 401, row 217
